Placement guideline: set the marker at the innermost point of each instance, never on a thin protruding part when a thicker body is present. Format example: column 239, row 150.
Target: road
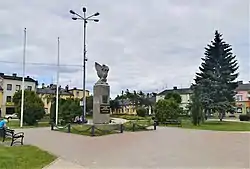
column 163, row 148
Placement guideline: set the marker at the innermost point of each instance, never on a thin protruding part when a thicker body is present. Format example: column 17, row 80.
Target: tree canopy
column 33, row 106
column 216, row 79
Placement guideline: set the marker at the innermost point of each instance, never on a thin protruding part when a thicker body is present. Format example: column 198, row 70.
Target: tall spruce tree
column 216, row 79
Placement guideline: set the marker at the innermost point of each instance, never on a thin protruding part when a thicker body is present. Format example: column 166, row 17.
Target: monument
column 101, row 107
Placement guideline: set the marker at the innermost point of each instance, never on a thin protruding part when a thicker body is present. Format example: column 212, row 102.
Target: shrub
column 167, row 109
column 141, row 112
column 33, row 107
column 244, row 117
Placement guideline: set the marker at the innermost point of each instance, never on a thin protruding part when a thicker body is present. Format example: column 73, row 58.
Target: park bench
column 172, row 121
column 15, row 137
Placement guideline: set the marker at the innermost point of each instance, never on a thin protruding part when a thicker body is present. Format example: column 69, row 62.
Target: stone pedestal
column 101, row 107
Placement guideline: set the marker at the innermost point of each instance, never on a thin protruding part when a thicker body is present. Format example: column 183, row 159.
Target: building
column 9, row 84
column 185, row 94
column 78, row 93
column 47, row 93
column 125, row 107
column 242, row 98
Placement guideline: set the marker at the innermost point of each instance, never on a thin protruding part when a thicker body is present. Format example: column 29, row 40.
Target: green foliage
column 69, row 109
column 175, row 96
column 141, row 111
column 33, row 107
column 217, row 75
column 167, row 109
column 89, row 104
column 137, row 98
column 244, row 117
column 114, row 105
column 53, row 109
column 196, row 108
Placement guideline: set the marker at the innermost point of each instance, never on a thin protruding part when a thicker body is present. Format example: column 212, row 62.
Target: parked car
column 11, row 116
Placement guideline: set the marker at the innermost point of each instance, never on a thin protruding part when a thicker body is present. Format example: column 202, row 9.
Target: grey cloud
column 147, row 44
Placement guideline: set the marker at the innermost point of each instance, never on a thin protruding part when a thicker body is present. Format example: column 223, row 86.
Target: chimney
column 14, row 74
column 43, row 85
column 28, row 77
column 175, row 88
column 67, row 88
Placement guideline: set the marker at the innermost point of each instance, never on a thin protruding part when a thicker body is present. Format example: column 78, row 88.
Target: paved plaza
column 163, row 148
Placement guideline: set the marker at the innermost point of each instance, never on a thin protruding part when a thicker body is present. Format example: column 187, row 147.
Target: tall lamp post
column 85, row 20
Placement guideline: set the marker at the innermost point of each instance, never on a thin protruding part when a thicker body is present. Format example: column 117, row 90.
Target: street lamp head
column 96, row 14
column 84, row 9
column 72, row 12
column 96, row 20
column 74, row 18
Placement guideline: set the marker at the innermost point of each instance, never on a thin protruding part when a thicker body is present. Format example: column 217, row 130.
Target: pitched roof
column 19, row 78
column 48, row 90
column 78, row 89
column 243, row 87
column 180, row 91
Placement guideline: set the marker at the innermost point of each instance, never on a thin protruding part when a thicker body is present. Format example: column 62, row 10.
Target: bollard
column 69, row 126
column 121, row 128
column 154, row 125
column 52, row 126
column 92, row 130
column 133, row 126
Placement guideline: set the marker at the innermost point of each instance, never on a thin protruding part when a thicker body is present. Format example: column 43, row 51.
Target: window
column 238, row 98
column 18, row 87
column 9, row 86
column 8, row 99
column 29, row 88
column 77, row 94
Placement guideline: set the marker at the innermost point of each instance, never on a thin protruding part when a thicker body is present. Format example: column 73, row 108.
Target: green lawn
column 86, row 130
column 131, row 117
column 24, row 157
column 140, row 125
column 13, row 124
column 217, row 126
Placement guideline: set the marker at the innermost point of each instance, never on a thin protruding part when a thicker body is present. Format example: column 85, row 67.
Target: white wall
column 185, row 99
column 14, row 83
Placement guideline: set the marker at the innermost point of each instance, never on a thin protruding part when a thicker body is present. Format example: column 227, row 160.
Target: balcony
column 9, row 103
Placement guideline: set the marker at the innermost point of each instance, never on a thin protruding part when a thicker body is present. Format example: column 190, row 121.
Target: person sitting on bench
column 3, row 123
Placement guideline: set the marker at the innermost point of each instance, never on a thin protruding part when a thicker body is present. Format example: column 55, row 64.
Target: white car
column 11, row 116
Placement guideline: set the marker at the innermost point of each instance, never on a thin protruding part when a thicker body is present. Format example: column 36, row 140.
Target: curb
column 50, row 164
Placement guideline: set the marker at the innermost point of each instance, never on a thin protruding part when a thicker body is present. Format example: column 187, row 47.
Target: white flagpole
column 23, row 87
column 57, row 81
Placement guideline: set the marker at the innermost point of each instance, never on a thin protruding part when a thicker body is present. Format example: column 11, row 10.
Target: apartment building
column 242, row 98
column 47, row 93
column 9, row 84
column 185, row 94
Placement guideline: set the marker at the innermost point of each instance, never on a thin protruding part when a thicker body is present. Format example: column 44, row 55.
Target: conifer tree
column 216, row 79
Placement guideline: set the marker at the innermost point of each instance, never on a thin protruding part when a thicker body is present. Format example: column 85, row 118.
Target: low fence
column 99, row 129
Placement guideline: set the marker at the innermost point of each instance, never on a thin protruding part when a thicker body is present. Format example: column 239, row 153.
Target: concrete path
column 63, row 164
column 163, row 148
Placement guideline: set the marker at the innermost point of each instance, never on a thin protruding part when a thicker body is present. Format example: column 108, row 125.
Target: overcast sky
column 148, row 44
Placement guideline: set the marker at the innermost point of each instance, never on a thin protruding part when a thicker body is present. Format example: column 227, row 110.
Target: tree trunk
column 221, row 116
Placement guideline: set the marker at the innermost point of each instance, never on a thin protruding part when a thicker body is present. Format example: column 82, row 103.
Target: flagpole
column 23, row 87
column 57, row 81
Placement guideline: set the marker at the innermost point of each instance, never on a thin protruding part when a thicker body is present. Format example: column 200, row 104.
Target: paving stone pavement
column 163, row 148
